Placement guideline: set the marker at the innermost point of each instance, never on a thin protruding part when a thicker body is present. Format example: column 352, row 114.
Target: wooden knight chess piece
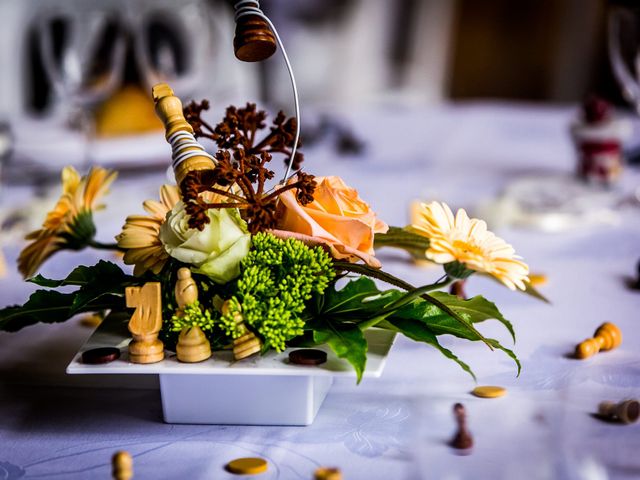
column 247, row 344
column 188, row 154
column 607, row 337
column 193, row 345
column 145, row 323
column 122, row 466
column 462, row 440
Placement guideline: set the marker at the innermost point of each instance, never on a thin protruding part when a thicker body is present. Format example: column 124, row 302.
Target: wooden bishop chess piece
column 193, row 345
column 247, row 344
column 253, row 41
column 145, row 323
column 627, row 411
column 186, row 290
column 462, row 440
column 188, row 155
column 607, row 337
column 122, row 466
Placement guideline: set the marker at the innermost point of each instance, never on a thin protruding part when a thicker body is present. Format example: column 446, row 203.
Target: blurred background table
column 398, row 426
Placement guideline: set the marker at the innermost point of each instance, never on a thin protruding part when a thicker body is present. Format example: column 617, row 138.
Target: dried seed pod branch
column 242, row 163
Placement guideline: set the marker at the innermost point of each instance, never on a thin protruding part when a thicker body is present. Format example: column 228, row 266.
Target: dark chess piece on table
column 627, row 411
column 457, row 289
column 462, row 440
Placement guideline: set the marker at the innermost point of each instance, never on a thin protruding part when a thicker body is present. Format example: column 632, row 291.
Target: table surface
column 397, row 426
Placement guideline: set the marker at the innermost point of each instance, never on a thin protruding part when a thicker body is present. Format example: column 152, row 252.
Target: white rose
column 215, row 251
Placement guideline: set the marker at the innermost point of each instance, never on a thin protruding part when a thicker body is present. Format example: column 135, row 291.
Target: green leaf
column 476, row 309
column 348, row 342
column 440, row 323
column 358, row 295
column 84, row 275
column 398, row 282
column 94, row 281
column 51, row 307
column 533, row 292
column 404, row 239
column 420, row 332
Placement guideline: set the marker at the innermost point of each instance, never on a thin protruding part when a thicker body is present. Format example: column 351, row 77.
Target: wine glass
column 173, row 42
column 624, row 51
column 83, row 53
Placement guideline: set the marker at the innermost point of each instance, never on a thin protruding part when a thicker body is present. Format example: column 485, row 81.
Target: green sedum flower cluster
column 278, row 277
column 193, row 315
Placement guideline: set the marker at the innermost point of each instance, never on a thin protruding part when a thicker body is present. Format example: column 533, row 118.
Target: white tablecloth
column 398, row 426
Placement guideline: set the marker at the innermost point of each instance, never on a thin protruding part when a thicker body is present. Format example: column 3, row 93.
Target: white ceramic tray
column 260, row 390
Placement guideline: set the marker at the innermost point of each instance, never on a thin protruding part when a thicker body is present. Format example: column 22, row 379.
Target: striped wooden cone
column 188, row 155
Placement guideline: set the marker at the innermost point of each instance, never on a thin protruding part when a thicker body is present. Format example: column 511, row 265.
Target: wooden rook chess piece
column 627, row 411
column 188, row 155
column 253, row 41
column 122, row 466
column 462, row 440
column 247, row 344
column 457, row 289
column 145, row 323
column 608, row 336
column 193, row 345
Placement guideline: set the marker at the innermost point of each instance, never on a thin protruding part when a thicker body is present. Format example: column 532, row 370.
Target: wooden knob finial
column 627, row 411
column 254, row 41
column 122, row 466
column 607, row 337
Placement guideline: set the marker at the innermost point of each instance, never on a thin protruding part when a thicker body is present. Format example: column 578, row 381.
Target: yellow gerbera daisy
column 467, row 241
column 70, row 224
column 140, row 235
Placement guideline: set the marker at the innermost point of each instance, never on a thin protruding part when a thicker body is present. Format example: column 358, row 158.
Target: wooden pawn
column 193, row 345
column 247, row 344
column 607, row 337
column 122, row 466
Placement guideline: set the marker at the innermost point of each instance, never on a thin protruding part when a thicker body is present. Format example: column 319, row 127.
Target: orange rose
column 337, row 219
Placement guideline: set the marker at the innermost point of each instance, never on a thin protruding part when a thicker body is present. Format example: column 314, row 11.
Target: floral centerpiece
column 291, row 263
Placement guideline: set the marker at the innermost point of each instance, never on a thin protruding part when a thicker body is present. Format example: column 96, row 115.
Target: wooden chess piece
column 193, row 345
column 247, row 344
column 188, row 154
column 462, row 440
column 627, row 411
column 608, row 336
column 327, row 473
column 457, row 289
column 122, row 466
column 145, row 323
column 186, row 290
column 253, row 41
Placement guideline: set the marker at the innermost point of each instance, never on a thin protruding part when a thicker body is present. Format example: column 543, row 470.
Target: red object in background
column 600, row 161
column 598, row 138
